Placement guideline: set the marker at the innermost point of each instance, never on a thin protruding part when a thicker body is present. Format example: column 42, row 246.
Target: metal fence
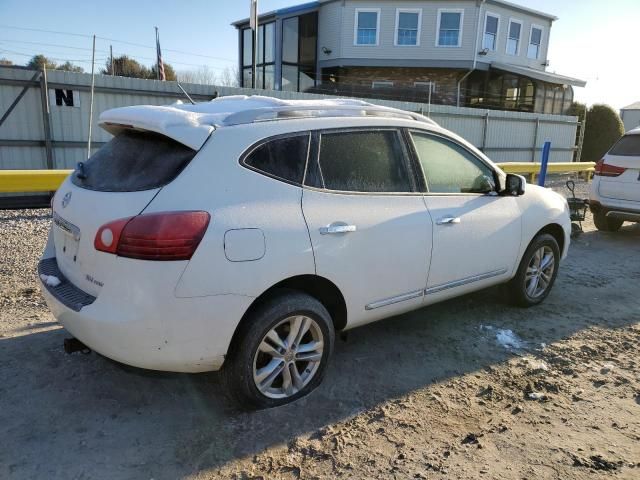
column 44, row 119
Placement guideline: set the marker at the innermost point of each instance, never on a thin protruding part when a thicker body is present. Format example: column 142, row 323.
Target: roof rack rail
column 285, row 112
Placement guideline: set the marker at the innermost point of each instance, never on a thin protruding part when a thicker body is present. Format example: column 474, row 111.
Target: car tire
column 526, row 288
column 606, row 224
column 256, row 355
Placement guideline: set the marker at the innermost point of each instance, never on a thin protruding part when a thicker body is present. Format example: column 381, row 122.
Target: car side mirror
column 514, row 185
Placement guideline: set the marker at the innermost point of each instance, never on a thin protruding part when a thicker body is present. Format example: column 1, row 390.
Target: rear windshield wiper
column 80, row 171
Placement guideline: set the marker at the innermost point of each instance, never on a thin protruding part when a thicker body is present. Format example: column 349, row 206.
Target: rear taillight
column 606, row 170
column 154, row 236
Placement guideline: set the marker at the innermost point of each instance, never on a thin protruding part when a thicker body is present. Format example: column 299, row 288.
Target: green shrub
column 604, row 128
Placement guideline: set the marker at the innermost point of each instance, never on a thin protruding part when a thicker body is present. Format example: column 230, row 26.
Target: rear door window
column 627, row 146
column 133, row 161
column 364, row 161
column 283, row 158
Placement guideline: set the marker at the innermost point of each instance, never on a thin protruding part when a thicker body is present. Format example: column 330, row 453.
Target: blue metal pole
column 545, row 161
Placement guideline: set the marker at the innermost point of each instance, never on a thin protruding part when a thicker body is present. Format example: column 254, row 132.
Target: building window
column 408, row 26
column 449, row 28
column 367, row 26
column 299, row 45
column 513, row 40
column 535, row 41
column 491, row 24
column 381, row 84
column 265, row 66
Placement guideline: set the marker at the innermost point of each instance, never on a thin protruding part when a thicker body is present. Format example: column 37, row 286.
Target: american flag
column 160, row 63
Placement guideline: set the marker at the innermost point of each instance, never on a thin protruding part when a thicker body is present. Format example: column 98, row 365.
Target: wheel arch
column 322, row 289
column 556, row 231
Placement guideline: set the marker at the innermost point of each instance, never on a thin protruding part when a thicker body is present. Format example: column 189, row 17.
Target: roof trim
column 281, row 12
column 396, row 62
column 633, row 106
column 539, row 74
column 520, row 8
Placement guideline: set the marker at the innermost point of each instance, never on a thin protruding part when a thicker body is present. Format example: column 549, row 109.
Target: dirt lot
column 468, row 389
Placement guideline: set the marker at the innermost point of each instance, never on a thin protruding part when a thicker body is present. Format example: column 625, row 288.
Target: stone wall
column 444, row 90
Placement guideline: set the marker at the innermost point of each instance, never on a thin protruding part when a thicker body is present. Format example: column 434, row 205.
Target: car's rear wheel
column 281, row 351
column 606, row 224
column 537, row 272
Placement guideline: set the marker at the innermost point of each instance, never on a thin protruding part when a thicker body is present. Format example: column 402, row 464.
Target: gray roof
column 515, row 6
column 317, row 3
column 633, row 106
column 539, row 74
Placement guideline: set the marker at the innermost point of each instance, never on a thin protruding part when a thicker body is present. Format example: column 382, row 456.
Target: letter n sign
column 63, row 97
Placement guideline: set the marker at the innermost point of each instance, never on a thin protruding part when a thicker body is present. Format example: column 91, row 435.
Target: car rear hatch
column 118, row 181
column 620, row 170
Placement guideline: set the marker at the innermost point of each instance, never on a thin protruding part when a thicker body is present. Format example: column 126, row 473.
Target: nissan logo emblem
column 66, row 199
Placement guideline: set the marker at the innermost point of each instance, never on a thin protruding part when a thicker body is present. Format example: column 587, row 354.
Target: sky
column 593, row 40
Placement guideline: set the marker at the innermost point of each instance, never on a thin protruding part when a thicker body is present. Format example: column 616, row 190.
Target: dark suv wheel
column 536, row 273
column 281, row 352
column 606, row 224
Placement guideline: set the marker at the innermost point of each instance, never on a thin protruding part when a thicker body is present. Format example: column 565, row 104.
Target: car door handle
column 337, row 228
column 448, row 220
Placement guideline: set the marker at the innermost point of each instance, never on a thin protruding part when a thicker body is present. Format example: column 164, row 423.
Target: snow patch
column 50, row 280
column 508, row 339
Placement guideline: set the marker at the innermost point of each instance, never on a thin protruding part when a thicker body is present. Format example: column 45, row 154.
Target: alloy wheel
column 288, row 357
column 540, row 272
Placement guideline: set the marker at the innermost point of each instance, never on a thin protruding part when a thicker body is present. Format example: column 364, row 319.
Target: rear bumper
column 143, row 324
column 619, row 212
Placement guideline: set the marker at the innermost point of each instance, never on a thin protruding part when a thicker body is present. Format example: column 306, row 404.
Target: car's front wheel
column 606, row 224
column 281, row 351
column 536, row 273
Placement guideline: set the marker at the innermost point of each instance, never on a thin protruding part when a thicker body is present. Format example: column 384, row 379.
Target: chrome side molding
column 464, row 281
column 397, row 299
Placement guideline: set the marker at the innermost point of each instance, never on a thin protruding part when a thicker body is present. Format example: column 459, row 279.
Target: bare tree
column 229, row 77
column 203, row 75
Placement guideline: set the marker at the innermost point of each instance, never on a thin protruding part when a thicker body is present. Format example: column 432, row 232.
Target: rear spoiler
column 177, row 124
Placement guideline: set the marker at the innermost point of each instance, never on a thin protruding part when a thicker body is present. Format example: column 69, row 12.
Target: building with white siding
column 630, row 116
column 485, row 53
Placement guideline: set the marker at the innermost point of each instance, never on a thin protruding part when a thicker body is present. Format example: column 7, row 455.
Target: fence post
column 535, row 140
column 46, row 119
column 485, row 129
column 545, row 161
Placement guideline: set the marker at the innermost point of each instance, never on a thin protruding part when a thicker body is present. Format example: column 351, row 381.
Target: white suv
column 244, row 232
column 615, row 191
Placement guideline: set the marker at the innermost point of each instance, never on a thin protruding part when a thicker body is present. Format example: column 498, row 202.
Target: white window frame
column 381, row 84
column 541, row 28
column 450, row 10
column 397, row 31
column 484, row 30
column 355, row 27
column 506, row 47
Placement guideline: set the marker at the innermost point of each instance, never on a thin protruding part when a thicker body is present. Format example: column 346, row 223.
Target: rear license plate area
column 67, row 239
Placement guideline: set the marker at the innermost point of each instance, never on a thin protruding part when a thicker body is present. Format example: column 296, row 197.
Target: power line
column 45, row 31
column 56, row 45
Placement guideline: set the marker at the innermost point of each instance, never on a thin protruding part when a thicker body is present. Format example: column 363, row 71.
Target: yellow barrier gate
column 532, row 168
column 12, row 181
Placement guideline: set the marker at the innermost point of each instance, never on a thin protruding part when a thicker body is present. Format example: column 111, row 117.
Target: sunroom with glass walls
column 265, row 62
column 299, row 58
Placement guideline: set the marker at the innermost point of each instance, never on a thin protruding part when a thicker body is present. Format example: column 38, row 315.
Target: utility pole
column 253, row 23
column 93, row 80
column 113, row 68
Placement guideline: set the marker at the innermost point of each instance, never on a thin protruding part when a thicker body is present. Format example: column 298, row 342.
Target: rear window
column 283, row 158
column 134, row 161
column 364, row 161
column 629, row 145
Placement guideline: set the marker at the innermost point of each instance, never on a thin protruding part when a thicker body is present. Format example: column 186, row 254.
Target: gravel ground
column 471, row 388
